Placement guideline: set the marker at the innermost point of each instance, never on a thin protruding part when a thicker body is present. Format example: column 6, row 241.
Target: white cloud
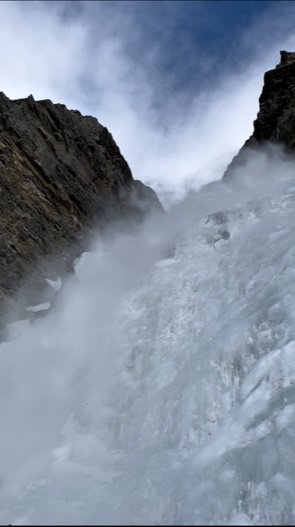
column 83, row 61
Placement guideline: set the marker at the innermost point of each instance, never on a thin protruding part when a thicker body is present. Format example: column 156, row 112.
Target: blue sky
column 176, row 82
column 189, row 32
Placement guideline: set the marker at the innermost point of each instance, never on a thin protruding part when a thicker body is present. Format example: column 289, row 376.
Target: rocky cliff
column 275, row 122
column 61, row 174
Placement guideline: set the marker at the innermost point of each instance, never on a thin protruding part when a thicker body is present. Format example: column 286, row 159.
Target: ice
column 55, row 284
column 162, row 389
column 39, row 307
column 240, row 519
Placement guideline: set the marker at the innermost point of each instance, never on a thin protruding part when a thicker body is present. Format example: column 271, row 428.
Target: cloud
column 102, row 59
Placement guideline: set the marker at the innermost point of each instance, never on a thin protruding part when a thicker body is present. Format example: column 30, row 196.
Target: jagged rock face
column 275, row 121
column 276, row 117
column 60, row 174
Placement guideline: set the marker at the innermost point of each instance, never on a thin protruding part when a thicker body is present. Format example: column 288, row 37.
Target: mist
column 62, row 369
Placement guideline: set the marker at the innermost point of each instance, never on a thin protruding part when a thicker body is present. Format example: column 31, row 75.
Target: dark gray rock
column 61, row 176
column 275, row 122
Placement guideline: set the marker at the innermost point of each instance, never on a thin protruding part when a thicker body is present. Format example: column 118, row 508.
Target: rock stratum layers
column 275, row 122
column 61, row 174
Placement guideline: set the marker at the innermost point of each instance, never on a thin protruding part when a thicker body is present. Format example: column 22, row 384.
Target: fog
column 61, row 378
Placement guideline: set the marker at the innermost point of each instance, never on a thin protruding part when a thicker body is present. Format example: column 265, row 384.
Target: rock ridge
column 61, row 174
column 275, row 122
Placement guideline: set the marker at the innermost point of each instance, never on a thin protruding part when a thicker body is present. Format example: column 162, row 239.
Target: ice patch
column 39, row 307
column 55, row 284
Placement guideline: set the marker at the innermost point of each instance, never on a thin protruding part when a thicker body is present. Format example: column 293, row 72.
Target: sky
column 176, row 82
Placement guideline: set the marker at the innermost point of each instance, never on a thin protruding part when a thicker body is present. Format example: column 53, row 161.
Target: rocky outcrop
column 275, row 122
column 61, row 175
